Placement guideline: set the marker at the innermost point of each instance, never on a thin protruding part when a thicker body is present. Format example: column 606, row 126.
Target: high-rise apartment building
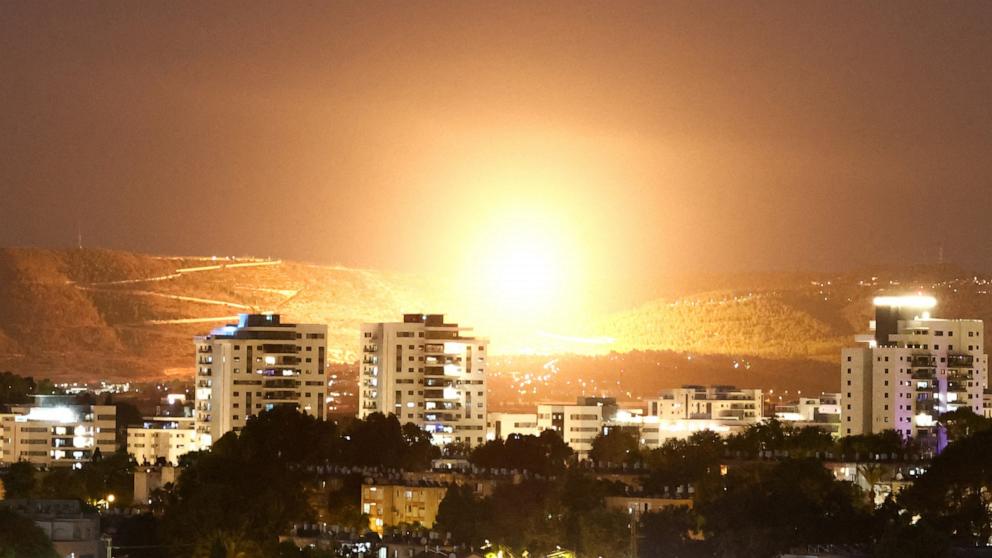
column 910, row 369
column 56, row 431
column 256, row 365
column 427, row 372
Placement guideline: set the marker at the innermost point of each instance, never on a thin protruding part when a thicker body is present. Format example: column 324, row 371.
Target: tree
column 287, row 435
column 667, row 533
column 546, row 454
column 901, row 536
column 19, row 480
column 963, row 422
column 380, row 440
column 887, row 444
column 343, row 505
column 615, row 447
column 952, row 496
column 872, row 474
column 227, row 544
column 141, row 532
column 21, row 538
column 695, row 461
column 768, row 509
column 235, row 500
column 462, row 515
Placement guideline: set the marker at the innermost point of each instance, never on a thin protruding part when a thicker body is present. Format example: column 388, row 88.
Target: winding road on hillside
column 107, row 286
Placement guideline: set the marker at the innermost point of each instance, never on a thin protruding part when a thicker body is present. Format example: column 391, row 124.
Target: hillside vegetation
column 98, row 313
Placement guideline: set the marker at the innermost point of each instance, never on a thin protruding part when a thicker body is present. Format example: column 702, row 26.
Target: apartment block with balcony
column 56, row 432
column 714, row 403
column 391, row 504
column 911, row 368
column 161, row 438
column 821, row 412
column 428, row 372
column 258, row 364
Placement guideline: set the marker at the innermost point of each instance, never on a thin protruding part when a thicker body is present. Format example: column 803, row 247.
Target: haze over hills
column 88, row 314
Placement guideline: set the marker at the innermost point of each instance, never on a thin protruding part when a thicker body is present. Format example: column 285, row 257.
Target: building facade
column 579, row 423
column 721, row 403
column 73, row 530
column 389, row 505
column 501, row 425
column 161, row 438
column 258, row 364
column 427, row 372
column 822, row 412
column 911, row 368
column 57, row 432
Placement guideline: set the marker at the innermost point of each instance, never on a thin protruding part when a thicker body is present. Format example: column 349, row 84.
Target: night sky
column 638, row 139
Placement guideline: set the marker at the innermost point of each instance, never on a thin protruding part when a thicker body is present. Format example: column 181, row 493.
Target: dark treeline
column 759, row 493
column 16, row 390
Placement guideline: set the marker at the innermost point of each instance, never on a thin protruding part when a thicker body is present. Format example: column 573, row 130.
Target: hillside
column 86, row 314
column 789, row 316
column 96, row 313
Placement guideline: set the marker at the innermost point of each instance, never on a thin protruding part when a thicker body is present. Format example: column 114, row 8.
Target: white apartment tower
column 427, row 372
column 910, row 369
column 256, row 365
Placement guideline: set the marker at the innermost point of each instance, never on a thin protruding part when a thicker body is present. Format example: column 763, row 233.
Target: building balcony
column 960, row 361
column 929, row 407
column 442, row 417
column 439, row 382
column 956, row 387
column 960, row 375
column 281, row 396
column 278, row 371
column 927, row 361
column 276, row 382
column 280, row 349
column 924, row 374
column 438, row 394
column 370, row 349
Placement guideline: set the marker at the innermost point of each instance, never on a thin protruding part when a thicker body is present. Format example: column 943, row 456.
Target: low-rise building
column 501, row 425
column 821, row 412
column 73, row 532
column 149, row 479
column 578, row 423
column 55, row 431
column 392, row 504
column 161, row 438
column 720, row 403
column 645, row 504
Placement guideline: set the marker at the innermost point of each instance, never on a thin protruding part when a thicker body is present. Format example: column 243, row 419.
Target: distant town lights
column 911, row 301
